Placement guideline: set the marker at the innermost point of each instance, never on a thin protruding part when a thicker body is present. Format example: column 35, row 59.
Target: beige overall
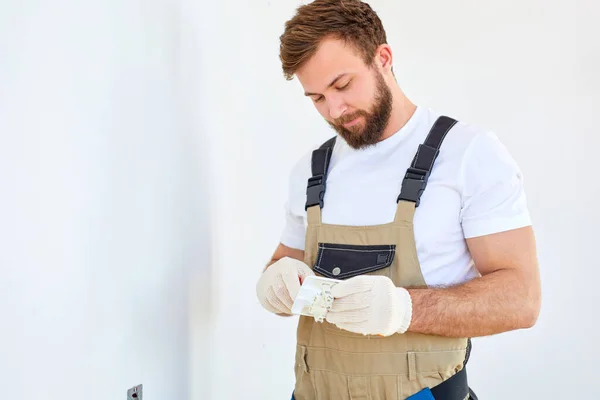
column 336, row 364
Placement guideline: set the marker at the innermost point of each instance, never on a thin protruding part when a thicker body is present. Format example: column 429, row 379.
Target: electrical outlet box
column 135, row 393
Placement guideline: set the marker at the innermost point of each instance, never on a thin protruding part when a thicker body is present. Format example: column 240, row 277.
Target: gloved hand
column 370, row 305
column 278, row 286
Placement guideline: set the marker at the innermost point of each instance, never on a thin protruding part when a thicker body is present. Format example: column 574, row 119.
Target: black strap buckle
column 315, row 191
column 413, row 185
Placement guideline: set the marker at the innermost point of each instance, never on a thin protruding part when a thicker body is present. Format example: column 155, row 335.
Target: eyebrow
column 328, row 86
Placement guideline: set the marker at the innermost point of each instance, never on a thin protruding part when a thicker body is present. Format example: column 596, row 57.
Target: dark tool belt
column 454, row 388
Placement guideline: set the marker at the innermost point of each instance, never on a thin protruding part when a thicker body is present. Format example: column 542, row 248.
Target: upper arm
column 285, row 251
column 512, row 254
column 509, row 250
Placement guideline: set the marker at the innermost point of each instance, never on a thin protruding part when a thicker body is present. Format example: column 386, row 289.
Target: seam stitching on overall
column 386, row 374
column 348, row 386
column 390, row 225
column 388, row 352
column 320, row 258
column 325, row 247
column 314, row 384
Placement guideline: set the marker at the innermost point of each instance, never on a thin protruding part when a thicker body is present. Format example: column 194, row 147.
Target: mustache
column 349, row 117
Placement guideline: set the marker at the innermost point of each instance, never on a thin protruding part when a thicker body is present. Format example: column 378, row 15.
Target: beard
column 371, row 130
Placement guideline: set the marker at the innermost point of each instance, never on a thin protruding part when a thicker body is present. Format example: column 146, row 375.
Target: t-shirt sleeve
column 293, row 234
column 294, row 229
column 493, row 195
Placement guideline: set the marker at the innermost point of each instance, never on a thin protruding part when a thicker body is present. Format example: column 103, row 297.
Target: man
column 422, row 218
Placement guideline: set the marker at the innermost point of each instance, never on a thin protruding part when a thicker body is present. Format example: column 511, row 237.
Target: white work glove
column 370, row 305
column 278, row 286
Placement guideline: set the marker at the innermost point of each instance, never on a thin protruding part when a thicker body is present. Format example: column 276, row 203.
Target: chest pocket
column 343, row 261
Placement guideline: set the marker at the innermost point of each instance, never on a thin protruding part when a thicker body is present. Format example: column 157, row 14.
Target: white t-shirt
column 475, row 188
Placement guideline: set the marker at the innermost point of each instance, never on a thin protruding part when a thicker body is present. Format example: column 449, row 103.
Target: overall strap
column 315, row 190
column 416, row 177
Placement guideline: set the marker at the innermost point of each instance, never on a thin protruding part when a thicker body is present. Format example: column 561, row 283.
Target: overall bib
column 332, row 363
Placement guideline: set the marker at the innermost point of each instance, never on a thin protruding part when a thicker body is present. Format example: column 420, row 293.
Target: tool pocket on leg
column 343, row 261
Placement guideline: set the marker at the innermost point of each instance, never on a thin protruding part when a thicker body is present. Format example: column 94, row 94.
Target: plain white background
column 104, row 249
column 144, row 154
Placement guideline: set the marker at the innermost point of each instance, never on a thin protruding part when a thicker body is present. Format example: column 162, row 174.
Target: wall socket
column 135, row 393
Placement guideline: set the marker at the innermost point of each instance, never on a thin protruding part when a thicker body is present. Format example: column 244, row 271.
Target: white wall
column 100, row 206
column 523, row 68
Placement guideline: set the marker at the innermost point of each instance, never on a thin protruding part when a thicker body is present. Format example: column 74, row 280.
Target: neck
column 402, row 110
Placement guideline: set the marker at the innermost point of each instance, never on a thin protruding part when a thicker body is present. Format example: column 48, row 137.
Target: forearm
column 495, row 303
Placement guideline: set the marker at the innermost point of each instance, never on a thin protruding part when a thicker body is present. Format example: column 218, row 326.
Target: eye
column 318, row 99
column 345, row 86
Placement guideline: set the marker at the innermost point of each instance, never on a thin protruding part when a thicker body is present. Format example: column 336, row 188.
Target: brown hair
column 352, row 21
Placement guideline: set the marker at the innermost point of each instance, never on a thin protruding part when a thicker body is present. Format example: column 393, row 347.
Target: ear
column 383, row 57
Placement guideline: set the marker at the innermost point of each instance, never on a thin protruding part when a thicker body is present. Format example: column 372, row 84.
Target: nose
column 336, row 107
